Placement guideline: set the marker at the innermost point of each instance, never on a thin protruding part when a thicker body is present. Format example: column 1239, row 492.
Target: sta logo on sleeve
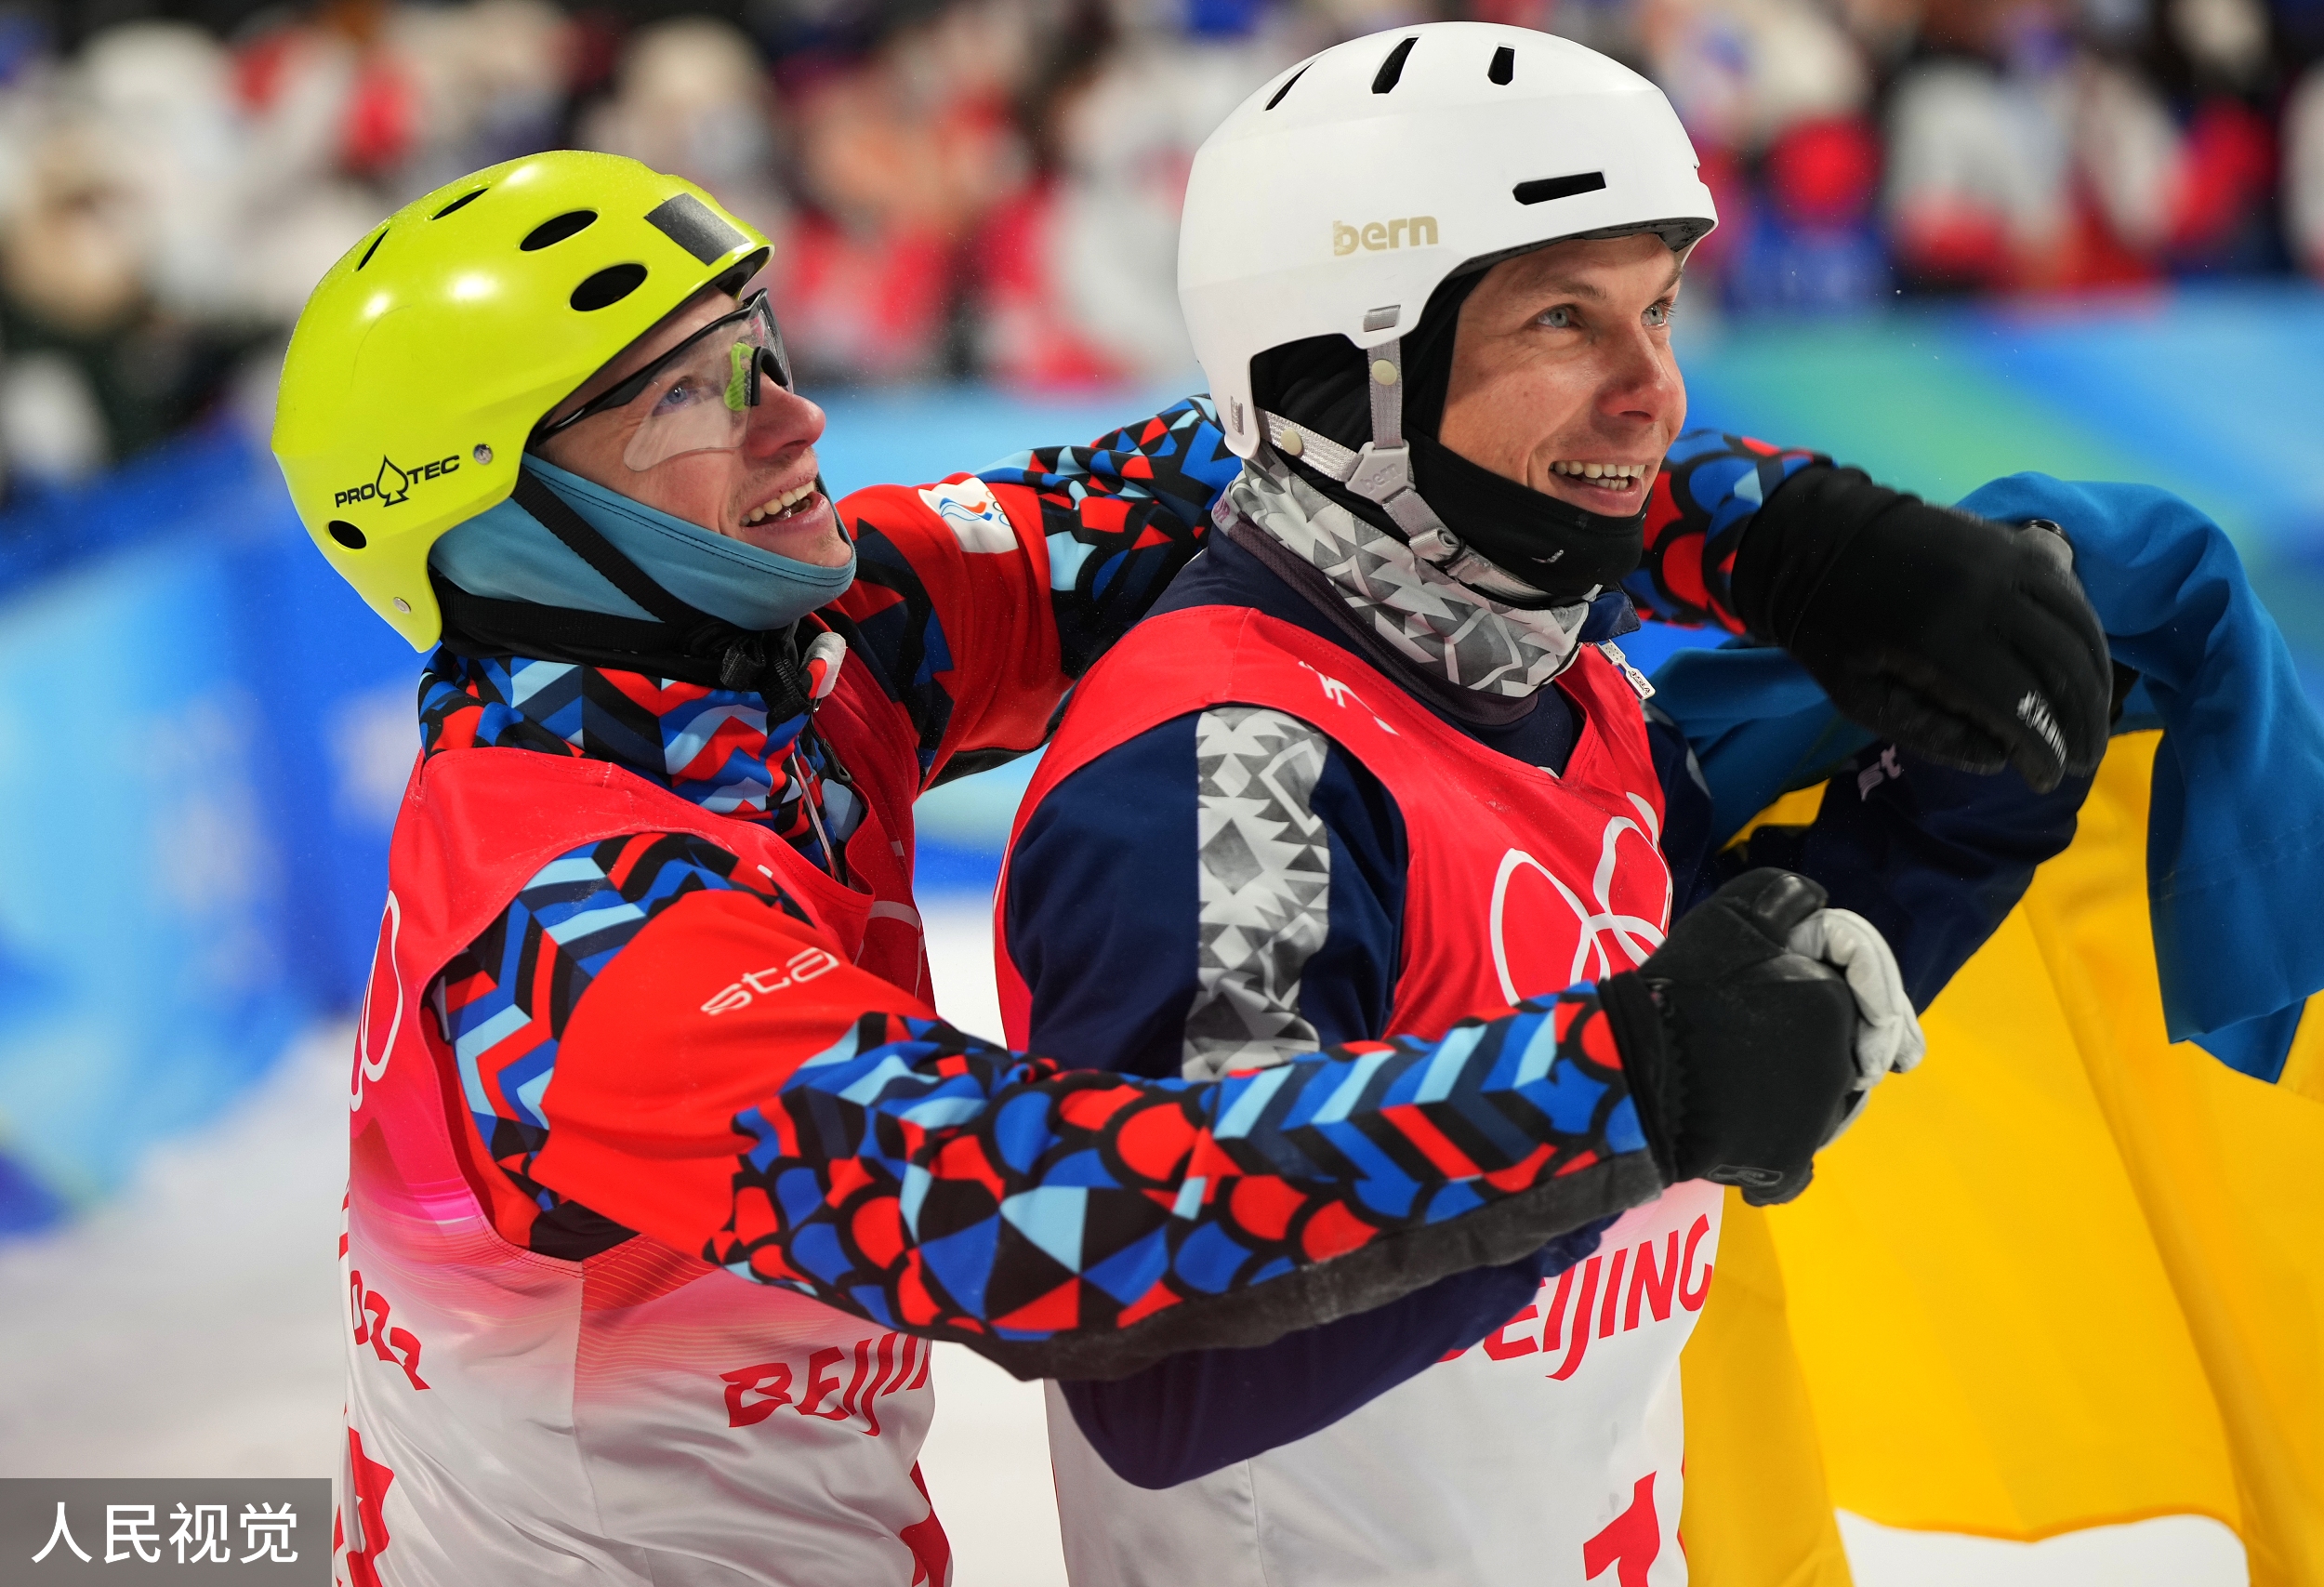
column 801, row 967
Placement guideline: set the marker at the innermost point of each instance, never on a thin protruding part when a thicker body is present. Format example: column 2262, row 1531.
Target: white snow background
column 190, row 1329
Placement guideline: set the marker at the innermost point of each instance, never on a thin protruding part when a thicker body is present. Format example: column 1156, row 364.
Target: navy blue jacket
column 1102, row 921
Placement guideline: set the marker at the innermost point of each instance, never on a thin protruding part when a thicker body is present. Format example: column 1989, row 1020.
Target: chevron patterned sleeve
column 1081, row 1224
column 503, row 1003
column 806, row 1125
column 980, row 599
column 1703, row 500
column 1120, row 516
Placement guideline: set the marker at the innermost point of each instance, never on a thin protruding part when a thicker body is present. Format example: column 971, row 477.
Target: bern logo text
column 1417, row 233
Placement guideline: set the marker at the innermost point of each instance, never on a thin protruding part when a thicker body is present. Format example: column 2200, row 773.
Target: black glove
column 1741, row 1053
column 1968, row 642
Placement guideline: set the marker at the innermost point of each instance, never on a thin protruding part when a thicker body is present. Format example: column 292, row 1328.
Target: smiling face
column 1562, row 377
column 762, row 492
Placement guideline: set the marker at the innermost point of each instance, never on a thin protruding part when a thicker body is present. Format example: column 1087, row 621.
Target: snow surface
column 190, row 1330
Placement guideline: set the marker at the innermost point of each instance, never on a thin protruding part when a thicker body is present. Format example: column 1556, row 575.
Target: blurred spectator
column 691, row 97
column 1977, row 175
column 1770, row 91
column 114, row 317
column 1741, row 71
column 2304, row 171
column 1079, row 272
column 899, row 155
column 1813, row 244
column 2055, row 150
column 990, row 187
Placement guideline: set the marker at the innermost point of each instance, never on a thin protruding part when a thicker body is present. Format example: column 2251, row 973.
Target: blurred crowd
column 990, row 187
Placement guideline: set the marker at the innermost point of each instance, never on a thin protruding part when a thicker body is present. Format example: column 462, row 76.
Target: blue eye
column 1558, row 319
column 684, row 394
column 1659, row 315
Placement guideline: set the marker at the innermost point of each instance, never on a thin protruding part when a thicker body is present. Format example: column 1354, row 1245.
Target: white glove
column 1889, row 1038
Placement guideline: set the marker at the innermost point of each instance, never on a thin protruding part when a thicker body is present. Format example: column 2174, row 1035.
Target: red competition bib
column 638, row 1416
column 1554, row 1450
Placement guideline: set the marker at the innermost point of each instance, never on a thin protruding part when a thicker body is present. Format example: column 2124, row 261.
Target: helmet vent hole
column 460, row 202
column 373, row 249
column 608, row 287
column 1284, row 89
column 346, row 535
column 557, row 228
column 1392, row 69
column 1504, row 66
column 1543, row 189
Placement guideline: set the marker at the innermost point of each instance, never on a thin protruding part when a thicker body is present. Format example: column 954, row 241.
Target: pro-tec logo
column 394, row 485
column 1419, row 232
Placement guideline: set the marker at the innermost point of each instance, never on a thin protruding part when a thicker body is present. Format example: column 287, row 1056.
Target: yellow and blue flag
column 2070, row 1272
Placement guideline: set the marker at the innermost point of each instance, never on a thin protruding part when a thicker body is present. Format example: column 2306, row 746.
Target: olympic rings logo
column 1634, row 934
column 368, row 1066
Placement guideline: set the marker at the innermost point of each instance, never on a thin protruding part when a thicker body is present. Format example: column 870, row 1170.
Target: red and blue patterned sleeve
column 1703, row 499
column 807, row 1125
column 979, row 598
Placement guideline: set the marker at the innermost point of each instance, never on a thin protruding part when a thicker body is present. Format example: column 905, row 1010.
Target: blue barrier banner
column 206, row 735
column 141, row 927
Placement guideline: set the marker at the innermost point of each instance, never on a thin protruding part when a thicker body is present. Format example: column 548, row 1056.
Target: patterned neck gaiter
column 712, row 747
column 1432, row 620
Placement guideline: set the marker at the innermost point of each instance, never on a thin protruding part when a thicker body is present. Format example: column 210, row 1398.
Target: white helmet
column 1339, row 196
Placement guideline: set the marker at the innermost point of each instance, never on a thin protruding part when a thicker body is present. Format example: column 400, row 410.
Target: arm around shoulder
column 829, row 1135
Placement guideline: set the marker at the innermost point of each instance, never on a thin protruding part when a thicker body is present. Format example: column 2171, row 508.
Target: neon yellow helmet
column 427, row 355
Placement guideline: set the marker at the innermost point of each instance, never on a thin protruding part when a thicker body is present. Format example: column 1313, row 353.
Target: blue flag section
column 2235, row 840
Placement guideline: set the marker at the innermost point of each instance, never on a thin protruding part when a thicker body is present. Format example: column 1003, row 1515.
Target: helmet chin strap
column 1382, row 473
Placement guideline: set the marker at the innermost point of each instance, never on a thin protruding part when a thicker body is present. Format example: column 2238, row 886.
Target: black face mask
column 1560, row 550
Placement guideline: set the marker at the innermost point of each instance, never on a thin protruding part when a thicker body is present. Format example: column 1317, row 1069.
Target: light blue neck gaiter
column 508, row 554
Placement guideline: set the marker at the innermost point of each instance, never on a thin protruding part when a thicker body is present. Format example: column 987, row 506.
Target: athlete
column 663, row 1171
column 1373, row 762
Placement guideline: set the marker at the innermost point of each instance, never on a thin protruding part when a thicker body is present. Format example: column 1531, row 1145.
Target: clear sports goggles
column 699, row 394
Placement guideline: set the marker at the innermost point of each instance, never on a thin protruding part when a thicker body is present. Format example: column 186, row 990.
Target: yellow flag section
column 2064, row 1274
